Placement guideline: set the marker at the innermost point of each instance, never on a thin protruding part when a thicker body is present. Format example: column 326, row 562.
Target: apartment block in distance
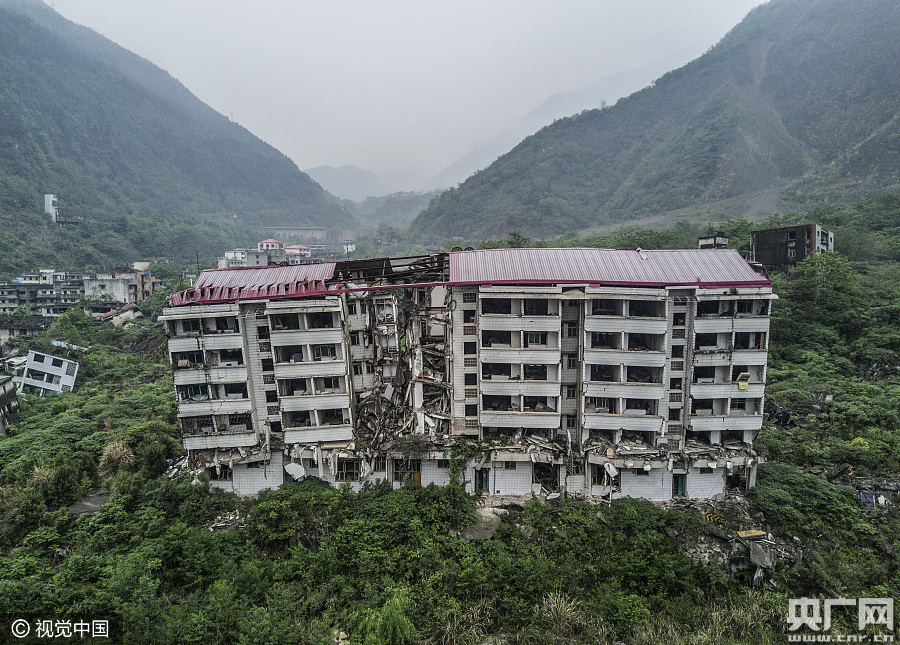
column 783, row 247
column 588, row 372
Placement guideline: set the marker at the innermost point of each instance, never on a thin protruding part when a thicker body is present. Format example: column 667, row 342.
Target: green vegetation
column 788, row 97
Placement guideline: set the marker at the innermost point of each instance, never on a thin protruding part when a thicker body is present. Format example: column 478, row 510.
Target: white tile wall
column 656, row 486
column 703, row 486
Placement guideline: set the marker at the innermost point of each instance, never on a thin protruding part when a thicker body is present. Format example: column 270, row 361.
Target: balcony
column 727, row 325
column 518, row 419
column 222, row 439
column 306, row 402
column 624, row 390
column 199, row 374
column 730, row 422
column 505, row 386
column 628, row 422
column 727, row 389
column 315, row 434
column 197, row 407
column 334, row 367
column 630, row 358
column 631, row 325
column 323, row 336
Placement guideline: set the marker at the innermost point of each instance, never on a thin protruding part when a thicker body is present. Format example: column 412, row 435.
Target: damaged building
column 589, row 372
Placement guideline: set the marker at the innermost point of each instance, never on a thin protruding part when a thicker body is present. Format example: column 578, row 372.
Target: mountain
column 351, row 182
column 605, row 90
column 109, row 132
column 802, row 95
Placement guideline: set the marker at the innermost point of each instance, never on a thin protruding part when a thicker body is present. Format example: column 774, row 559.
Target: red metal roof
column 251, row 283
column 705, row 268
column 693, row 267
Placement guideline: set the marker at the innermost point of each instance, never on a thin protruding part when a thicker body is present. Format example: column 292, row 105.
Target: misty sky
column 402, row 88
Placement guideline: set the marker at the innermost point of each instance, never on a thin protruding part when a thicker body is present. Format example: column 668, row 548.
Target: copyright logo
column 21, row 628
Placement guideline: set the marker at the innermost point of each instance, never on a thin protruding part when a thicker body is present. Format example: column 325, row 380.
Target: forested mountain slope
column 109, row 132
column 802, row 94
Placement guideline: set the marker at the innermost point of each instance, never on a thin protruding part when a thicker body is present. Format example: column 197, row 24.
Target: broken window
column 601, row 405
column 470, row 348
column 490, row 337
column 186, row 359
column 509, row 465
column 407, row 469
column 370, row 368
column 706, row 341
column 677, row 351
column 674, row 414
column 38, row 358
column 489, row 370
column 604, row 340
column 285, row 322
column 637, row 407
column 351, row 308
column 380, row 464
column 320, row 320
column 192, row 392
column 739, row 404
column 498, row 402
column 263, row 333
column 333, row 417
column 539, row 403
column 644, row 342
column 190, row 326
column 471, row 379
column 472, row 410
column 357, row 369
column 605, row 373
column 56, row 362
column 571, row 421
column 675, row 383
column 678, row 319
column 535, row 372
column 443, row 464
column 704, row 374
column 644, row 309
column 640, row 374
column 600, row 476
column 702, row 407
column 235, row 390
column 470, row 297
column 323, row 352
column 533, row 338
column 268, row 365
column 547, row 475
column 231, row 357
column 346, row 470
column 220, row 474
column 537, row 307
column 289, row 354
column 271, row 396
column 469, row 316
column 354, row 338
column 604, row 307
column 496, row 305
column 328, row 383
column 226, row 325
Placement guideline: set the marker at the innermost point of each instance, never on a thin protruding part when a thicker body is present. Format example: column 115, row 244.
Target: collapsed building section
column 589, row 372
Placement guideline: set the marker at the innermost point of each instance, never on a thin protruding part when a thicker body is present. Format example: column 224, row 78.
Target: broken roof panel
column 250, row 283
column 696, row 267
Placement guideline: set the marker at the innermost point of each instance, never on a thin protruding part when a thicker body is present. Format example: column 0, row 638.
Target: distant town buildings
column 783, row 247
column 266, row 253
column 51, row 293
column 47, row 373
column 9, row 402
